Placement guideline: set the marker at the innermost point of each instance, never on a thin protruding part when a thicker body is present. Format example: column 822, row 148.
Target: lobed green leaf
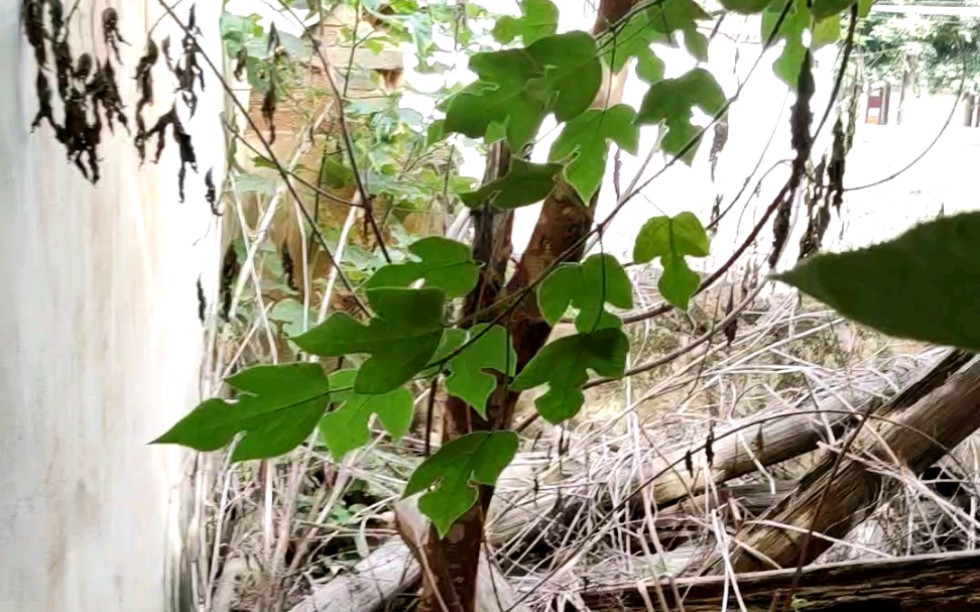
column 787, row 66
column 453, row 472
column 487, row 349
column 672, row 100
column 443, row 264
column 600, row 279
column 401, row 338
column 672, row 239
column 582, row 143
column 564, row 365
column 539, row 18
column 346, row 427
column 524, row 183
column 518, row 88
column 277, row 409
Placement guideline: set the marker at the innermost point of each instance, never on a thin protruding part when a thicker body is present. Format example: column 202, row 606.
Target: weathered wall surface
column 99, row 341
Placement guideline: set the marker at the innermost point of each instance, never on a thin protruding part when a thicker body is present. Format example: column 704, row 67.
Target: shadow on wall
column 101, row 339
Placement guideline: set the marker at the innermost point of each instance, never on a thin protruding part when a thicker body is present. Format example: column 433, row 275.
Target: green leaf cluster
column 277, row 408
column 518, row 88
column 406, row 335
column 657, row 24
column 672, row 239
column 600, row 279
column 451, row 475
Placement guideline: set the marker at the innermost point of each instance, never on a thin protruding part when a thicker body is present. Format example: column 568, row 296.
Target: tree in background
column 935, row 53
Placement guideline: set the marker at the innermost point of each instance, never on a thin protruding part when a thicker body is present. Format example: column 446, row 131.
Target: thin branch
column 268, row 148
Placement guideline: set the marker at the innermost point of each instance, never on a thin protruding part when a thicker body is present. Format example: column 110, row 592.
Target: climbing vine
column 412, row 334
column 416, row 324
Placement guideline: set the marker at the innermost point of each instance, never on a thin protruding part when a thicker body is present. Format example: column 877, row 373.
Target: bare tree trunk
column 560, row 231
column 916, row 438
column 394, row 568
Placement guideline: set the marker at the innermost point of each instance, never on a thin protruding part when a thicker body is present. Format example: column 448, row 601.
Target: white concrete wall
column 100, row 343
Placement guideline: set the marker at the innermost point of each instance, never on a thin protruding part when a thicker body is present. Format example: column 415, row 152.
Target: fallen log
column 765, row 439
column 387, row 571
column 773, row 436
column 769, row 437
column 928, row 582
column 916, row 437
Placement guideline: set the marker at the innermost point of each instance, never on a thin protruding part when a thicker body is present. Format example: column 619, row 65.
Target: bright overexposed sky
column 758, row 140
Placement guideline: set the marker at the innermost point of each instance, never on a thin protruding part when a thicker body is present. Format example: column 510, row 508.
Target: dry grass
column 275, row 530
column 568, row 514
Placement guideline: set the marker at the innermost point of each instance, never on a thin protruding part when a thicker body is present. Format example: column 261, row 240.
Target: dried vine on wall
column 88, row 89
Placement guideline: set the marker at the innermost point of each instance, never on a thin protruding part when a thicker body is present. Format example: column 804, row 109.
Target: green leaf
column 297, row 47
column 671, row 101
column 787, row 66
column 255, row 184
column 655, row 25
column 401, row 337
column 517, row 88
column 564, row 364
column 669, row 16
column 525, row 183
column 923, row 285
column 454, row 471
column 696, row 44
column 864, row 7
column 745, row 7
column 291, row 314
column 649, row 68
column 827, row 8
column 671, row 239
column 825, row 32
column 678, row 282
column 436, row 132
column 421, row 35
column 539, row 18
column 679, row 235
column 336, row 175
column 278, row 407
column 346, row 427
column 444, row 264
column 583, row 140
column 633, row 39
column 451, row 341
column 600, row 279
column 492, row 350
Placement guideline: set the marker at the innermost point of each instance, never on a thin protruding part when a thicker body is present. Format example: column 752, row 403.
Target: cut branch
column 916, row 438
column 928, row 582
column 562, row 226
column 772, row 436
column 784, row 432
